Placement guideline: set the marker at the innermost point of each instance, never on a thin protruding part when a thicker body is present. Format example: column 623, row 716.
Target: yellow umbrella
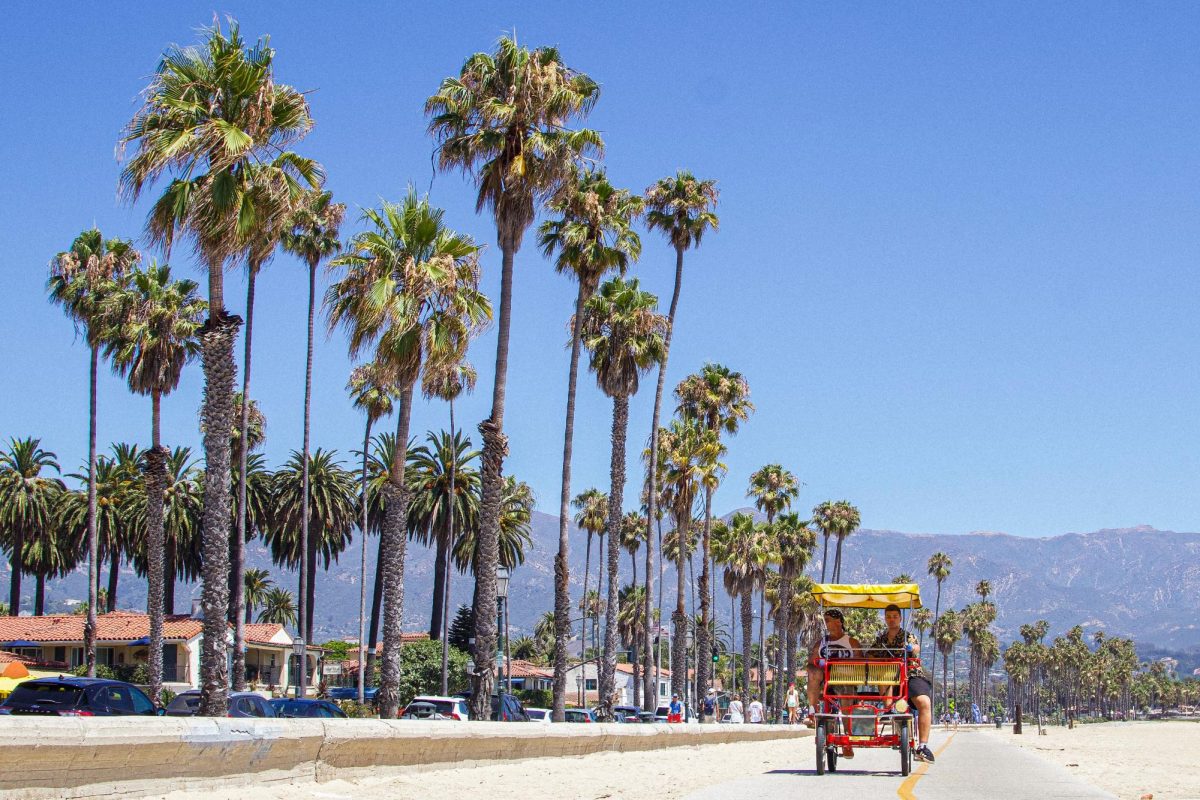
column 15, row 673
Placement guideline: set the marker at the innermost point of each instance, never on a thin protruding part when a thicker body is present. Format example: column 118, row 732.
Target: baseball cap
column 836, row 613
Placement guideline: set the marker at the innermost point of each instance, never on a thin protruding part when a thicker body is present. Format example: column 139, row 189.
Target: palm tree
column 838, row 519
column 409, row 292
column 27, row 501
column 155, row 321
column 690, row 454
column 211, row 114
column 278, row 607
column 371, row 388
column 983, row 589
column 947, row 630
column 682, row 208
column 593, row 235
column 591, row 516
column 435, row 512
column 922, row 620
column 631, row 624
column 633, row 533
column 938, row 568
column 740, row 546
column 48, row 554
column 793, row 542
column 516, row 531
column 331, row 508
column 313, row 237
column 182, row 508
column 720, row 399
column 505, row 120
column 624, row 333
column 80, row 279
column 258, row 584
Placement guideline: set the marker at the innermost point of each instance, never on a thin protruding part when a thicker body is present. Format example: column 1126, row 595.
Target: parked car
column 449, row 707
column 660, row 714
column 626, row 713
column 579, row 715
column 538, row 714
column 290, row 707
column 505, row 707
column 351, row 693
column 68, row 696
column 241, row 704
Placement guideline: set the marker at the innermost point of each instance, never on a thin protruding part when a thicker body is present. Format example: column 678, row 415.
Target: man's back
column 756, row 711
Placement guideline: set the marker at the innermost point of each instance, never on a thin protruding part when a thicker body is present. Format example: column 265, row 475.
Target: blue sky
column 956, row 259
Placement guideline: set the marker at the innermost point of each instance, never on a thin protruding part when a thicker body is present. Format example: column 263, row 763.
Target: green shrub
column 354, row 709
column 537, row 698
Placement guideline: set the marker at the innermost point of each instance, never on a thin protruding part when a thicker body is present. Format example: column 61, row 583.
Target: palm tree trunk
column 583, row 603
column 364, row 525
column 783, row 624
column 39, row 597
column 114, row 574
column 376, row 610
column 616, row 497
column 487, row 542
column 93, row 540
column 937, row 606
column 562, row 569
column 169, row 578
column 156, row 473
column 679, row 620
column 393, row 541
column 824, row 557
column 703, row 646
column 837, row 561
column 312, row 585
column 237, row 603
column 304, row 614
column 652, row 468
column 747, row 639
column 762, row 645
column 439, row 585
column 658, row 649
column 216, row 339
column 445, row 674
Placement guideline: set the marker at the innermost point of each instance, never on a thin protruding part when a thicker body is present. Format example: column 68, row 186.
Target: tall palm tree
column 27, row 501
column 720, row 399
column 983, row 589
column 182, row 510
column 516, row 530
column 49, row 554
column 409, row 292
column 848, row 521
column 793, row 542
column 312, row 236
column 592, row 236
column 691, row 456
column 258, row 584
column 80, row 279
column 279, row 607
column 773, row 489
column 372, row 390
column 682, row 208
column 114, row 478
column 624, row 334
column 591, row 517
column 331, row 505
column 838, row 519
column 211, row 113
column 155, row 322
column 739, row 545
column 505, row 120
column 633, row 532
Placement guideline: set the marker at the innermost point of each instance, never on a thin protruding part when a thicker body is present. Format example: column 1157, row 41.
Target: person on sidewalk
column 793, row 705
column 757, row 714
column 675, row 710
column 710, row 706
column 737, row 714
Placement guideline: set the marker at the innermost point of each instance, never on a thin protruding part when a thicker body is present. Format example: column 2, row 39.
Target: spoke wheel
column 820, row 737
column 905, row 749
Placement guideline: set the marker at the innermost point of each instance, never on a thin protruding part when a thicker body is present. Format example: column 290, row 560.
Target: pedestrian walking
column 710, row 706
column 793, row 704
column 757, row 714
column 737, row 713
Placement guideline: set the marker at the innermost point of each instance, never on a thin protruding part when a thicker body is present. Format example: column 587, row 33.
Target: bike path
column 969, row 765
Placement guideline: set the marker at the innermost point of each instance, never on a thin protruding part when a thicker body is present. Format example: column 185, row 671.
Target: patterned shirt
column 893, row 647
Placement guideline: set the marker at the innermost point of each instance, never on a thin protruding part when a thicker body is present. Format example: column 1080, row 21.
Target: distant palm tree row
column 214, row 141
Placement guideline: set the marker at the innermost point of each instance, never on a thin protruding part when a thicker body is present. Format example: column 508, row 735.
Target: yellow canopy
column 867, row 595
column 8, row 684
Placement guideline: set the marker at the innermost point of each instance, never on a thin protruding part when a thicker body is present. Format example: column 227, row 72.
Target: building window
column 662, row 690
column 590, row 684
column 29, row 652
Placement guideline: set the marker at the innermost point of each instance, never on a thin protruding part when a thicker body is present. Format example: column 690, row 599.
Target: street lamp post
column 502, row 576
column 579, row 685
column 298, row 646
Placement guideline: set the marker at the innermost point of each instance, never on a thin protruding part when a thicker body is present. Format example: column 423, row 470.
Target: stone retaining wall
column 98, row 757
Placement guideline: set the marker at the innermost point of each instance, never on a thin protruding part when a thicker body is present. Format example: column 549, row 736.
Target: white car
column 448, row 707
column 541, row 715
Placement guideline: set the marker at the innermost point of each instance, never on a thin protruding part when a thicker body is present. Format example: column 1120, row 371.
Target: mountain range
column 1137, row 582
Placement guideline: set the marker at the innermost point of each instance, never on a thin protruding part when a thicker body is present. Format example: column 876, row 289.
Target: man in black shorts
column 891, row 642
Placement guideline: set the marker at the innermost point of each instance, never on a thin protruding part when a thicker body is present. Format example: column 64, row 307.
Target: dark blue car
column 240, row 704
column 69, row 696
column 351, row 693
column 285, row 707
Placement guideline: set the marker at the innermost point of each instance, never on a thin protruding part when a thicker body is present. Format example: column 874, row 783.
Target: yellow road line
column 905, row 792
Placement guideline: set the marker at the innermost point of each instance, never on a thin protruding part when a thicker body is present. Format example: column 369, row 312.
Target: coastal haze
column 1138, row 582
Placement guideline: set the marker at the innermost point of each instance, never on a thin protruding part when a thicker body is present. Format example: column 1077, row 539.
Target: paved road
column 969, row 765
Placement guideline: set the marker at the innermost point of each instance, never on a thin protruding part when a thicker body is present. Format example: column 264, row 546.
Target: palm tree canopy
column 939, row 566
column 278, row 606
column 83, row 277
column 516, row 531
column 594, row 233
column 838, row 518
column 793, row 541
column 633, row 531
column 691, row 460
column 153, row 322
column 591, row 508
column 624, row 335
column 372, row 390
column 332, row 507
column 410, row 290
column 183, row 500
column 773, row 489
column 27, row 496
column 428, row 476
column 716, row 396
column 682, row 208
column 258, row 583
column 744, row 548
column 212, row 114
column 312, row 230
column 505, row 120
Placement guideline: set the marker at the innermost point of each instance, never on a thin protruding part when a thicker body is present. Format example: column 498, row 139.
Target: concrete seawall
column 99, row 757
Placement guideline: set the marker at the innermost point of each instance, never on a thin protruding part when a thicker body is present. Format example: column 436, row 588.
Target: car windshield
column 444, row 707
column 184, row 702
column 56, row 694
column 291, row 708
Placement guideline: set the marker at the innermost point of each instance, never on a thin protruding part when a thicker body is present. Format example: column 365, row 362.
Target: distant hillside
column 1136, row 582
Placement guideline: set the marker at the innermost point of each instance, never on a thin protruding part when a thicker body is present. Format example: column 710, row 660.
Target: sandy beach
column 1129, row 759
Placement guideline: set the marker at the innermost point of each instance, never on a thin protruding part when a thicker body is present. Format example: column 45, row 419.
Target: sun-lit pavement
column 970, row 765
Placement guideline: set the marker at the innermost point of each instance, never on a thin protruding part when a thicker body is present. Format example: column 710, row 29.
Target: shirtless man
column 891, row 642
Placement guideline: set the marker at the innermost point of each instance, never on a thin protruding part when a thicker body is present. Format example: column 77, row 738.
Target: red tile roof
column 628, row 669
column 7, row 657
column 525, row 669
column 261, row 633
column 115, row 627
